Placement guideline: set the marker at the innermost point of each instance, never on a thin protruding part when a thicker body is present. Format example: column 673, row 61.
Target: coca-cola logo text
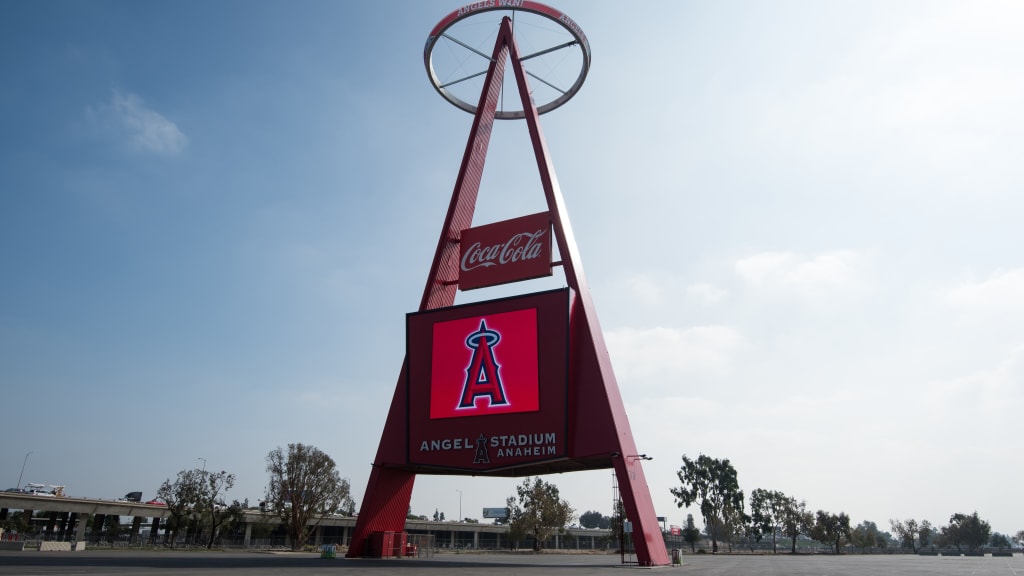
column 506, row 251
column 520, row 247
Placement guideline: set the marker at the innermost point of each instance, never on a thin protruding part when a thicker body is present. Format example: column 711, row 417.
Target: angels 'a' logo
column 482, row 455
column 482, row 374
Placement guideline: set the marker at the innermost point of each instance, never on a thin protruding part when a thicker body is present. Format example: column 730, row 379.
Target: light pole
column 204, row 462
column 460, row 504
column 23, row 462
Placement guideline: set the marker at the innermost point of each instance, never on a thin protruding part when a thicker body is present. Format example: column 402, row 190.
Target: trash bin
column 676, row 558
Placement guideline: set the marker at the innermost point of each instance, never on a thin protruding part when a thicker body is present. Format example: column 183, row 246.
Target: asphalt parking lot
column 122, row 563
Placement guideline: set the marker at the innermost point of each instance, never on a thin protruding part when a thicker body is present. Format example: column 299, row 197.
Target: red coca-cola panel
column 507, row 251
column 488, row 383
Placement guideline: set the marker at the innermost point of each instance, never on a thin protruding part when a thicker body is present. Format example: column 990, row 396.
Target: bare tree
column 211, row 503
column 304, row 488
column 181, row 497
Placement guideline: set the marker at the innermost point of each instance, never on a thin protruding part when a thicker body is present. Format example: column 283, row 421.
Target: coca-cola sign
column 508, row 251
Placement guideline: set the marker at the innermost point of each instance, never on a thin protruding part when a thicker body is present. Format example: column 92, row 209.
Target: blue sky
column 800, row 222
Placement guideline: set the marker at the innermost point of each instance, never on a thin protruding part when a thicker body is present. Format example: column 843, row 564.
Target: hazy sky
column 801, row 223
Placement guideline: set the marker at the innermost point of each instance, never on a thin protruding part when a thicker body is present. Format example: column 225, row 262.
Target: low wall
column 47, row 546
column 12, row 545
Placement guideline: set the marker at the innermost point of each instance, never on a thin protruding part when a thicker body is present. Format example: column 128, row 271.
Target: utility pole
column 23, row 462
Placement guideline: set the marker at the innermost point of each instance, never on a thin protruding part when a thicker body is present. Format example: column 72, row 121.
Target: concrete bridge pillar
column 154, row 530
column 112, row 525
column 77, row 524
column 62, row 530
column 97, row 528
column 51, row 525
column 136, row 524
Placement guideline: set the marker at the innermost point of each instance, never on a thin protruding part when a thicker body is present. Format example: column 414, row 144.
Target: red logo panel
column 507, row 251
column 488, row 384
column 485, row 365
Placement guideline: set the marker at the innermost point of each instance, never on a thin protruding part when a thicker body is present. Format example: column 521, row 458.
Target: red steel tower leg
column 590, row 362
column 388, row 492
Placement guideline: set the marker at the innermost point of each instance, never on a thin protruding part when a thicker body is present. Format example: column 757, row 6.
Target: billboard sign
column 496, row 513
column 507, row 251
column 487, row 383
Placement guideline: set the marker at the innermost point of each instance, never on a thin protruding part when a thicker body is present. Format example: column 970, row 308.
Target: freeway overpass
column 67, row 516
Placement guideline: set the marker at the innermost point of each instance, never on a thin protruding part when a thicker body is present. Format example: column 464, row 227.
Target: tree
column 925, row 533
column 767, row 510
column 691, row 535
column 866, row 535
column 181, row 496
column 516, row 531
column 1019, row 538
column 795, row 520
column 736, row 525
column 911, row 534
column 711, row 483
column 539, row 511
column 594, row 519
column 17, row 523
column 304, row 488
column 830, row 529
column 999, row 541
column 210, row 501
column 964, row 530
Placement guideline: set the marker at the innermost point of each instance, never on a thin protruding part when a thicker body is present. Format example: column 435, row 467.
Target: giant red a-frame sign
column 596, row 429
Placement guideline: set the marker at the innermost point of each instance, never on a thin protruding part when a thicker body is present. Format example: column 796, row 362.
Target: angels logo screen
column 485, row 365
column 487, row 383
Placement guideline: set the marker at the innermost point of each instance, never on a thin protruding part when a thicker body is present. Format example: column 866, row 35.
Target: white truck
column 51, row 490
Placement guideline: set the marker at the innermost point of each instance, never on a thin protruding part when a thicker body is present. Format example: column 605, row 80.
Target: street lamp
column 633, row 459
column 204, row 462
column 25, row 461
column 460, row 504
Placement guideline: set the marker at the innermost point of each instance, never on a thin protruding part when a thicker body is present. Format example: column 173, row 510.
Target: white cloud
column 143, row 129
column 989, row 399
column 646, row 289
column 653, row 357
column 1001, row 293
column 705, row 293
column 786, row 272
column 651, row 289
column 925, row 103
